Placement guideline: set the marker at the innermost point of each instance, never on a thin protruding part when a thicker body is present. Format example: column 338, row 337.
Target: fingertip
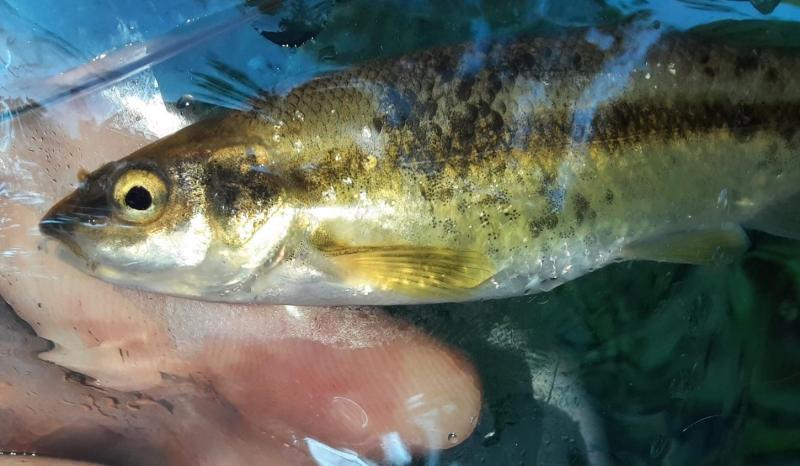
column 441, row 399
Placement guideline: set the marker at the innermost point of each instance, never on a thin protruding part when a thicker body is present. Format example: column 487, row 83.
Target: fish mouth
column 84, row 208
column 64, row 218
column 60, row 227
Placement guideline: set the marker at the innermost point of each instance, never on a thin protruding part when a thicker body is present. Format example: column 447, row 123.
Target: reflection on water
column 638, row 363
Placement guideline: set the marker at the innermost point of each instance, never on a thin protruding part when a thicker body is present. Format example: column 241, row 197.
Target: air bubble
column 186, row 101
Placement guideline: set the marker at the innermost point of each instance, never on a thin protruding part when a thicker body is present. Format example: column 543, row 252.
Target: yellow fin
column 699, row 247
column 411, row 270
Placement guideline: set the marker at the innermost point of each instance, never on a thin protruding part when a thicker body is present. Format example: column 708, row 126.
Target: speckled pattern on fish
column 461, row 173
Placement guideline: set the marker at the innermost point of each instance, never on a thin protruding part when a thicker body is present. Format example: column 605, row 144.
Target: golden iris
column 140, row 196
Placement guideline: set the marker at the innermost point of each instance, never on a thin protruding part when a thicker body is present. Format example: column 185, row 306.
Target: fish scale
column 467, row 172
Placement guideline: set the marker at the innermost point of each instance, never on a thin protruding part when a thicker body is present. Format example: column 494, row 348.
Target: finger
column 351, row 393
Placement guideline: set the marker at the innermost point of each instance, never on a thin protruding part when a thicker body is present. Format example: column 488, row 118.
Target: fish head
column 173, row 218
column 126, row 216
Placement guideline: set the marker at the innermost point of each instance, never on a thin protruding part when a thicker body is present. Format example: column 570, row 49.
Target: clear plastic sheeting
column 638, row 363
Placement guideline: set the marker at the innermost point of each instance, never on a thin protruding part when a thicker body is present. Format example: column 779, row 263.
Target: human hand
column 183, row 382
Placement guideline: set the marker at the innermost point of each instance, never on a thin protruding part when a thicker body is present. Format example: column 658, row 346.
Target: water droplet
column 452, row 437
column 185, row 101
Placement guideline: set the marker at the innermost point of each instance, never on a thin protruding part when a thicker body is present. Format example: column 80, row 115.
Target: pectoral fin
column 699, row 247
column 781, row 218
column 411, row 270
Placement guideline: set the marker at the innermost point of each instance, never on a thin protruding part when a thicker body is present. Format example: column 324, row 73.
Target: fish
column 458, row 173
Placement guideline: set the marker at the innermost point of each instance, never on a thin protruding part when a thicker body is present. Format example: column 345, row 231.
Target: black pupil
column 138, row 198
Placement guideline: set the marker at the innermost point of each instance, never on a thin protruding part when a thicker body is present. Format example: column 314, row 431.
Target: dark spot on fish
column 772, row 152
column 464, row 89
column 377, row 123
column 435, row 190
column 224, row 197
column 539, row 225
column 495, row 199
column 511, row 214
column 788, row 130
column 495, row 122
column 647, row 120
column 547, row 181
column 449, row 226
column 609, row 197
column 483, row 217
column 582, row 208
column 431, row 108
column 527, row 61
column 745, row 64
column 229, row 189
column 444, row 68
column 705, row 58
column 547, row 52
column 771, row 76
column 709, row 71
column 462, row 126
column 576, row 60
column 494, row 85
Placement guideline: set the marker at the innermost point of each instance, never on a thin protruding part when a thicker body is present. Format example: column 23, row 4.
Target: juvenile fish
column 455, row 174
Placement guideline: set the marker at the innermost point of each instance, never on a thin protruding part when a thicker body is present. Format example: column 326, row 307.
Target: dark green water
column 684, row 365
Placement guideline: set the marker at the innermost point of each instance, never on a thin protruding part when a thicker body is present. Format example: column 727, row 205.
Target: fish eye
column 139, row 195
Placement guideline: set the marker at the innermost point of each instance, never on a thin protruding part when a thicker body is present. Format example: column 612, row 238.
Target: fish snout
column 57, row 225
column 62, row 226
column 81, row 209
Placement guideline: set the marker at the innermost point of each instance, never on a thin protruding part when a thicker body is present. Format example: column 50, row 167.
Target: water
column 635, row 364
